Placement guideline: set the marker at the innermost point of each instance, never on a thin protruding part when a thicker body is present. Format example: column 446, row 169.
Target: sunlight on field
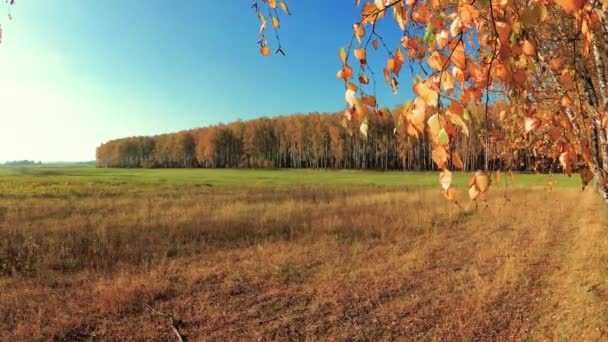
column 69, row 180
column 283, row 255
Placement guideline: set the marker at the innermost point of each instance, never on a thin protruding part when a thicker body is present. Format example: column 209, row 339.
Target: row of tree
column 301, row 141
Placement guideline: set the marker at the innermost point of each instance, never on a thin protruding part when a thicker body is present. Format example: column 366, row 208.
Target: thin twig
column 173, row 321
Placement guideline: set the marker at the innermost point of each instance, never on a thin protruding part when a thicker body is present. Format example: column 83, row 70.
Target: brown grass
column 360, row 264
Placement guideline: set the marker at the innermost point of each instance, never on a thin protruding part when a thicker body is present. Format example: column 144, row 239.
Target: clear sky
column 76, row 73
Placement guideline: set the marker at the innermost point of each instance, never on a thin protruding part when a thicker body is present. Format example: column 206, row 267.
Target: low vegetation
column 91, row 254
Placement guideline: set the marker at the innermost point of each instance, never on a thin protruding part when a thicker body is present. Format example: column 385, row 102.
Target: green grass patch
column 61, row 181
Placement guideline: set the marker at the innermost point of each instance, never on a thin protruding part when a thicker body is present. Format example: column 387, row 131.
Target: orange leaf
column 369, row 100
column 456, row 161
column 421, row 15
column 363, row 79
column 348, row 72
column 566, row 101
column 440, row 156
column 375, row 44
column 586, row 176
column 458, row 56
column 369, row 13
column 570, row 6
column 556, row 64
column 399, row 60
column 502, row 72
column 452, row 195
column 387, row 76
column 359, row 31
column 437, row 61
column 265, row 51
column 497, row 176
column 528, row 48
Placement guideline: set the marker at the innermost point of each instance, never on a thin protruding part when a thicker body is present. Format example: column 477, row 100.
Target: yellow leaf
column 435, row 125
column 473, row 192
column 437, row 61
column 445, row 179
column 415, row 114
column 481, row 180
column 361, row 55
column 531, row 123
column 442, row 39
column 342, row 53
column 363, row 128
column 447, row 82
column 275, row 22
column 400, row 16
column 284, row 7
column 427, row 94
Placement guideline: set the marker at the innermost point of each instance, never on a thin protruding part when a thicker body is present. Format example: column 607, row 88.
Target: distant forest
column 22, row 163
column 299, row 141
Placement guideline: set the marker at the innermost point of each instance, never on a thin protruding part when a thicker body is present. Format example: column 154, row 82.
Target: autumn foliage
column 546, row 59
column 311, row 141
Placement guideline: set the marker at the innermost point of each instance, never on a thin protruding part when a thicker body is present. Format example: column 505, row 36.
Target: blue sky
column 77, row 73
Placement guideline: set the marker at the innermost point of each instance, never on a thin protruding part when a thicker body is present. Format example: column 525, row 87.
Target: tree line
column 316, row 140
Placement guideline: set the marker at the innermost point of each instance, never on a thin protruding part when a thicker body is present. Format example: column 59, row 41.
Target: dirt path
column 577, row 306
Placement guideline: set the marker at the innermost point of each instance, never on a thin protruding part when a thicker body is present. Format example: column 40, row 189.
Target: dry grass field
column 120, row 262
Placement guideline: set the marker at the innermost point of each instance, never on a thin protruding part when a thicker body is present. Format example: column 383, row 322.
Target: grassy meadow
column 119, row 254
